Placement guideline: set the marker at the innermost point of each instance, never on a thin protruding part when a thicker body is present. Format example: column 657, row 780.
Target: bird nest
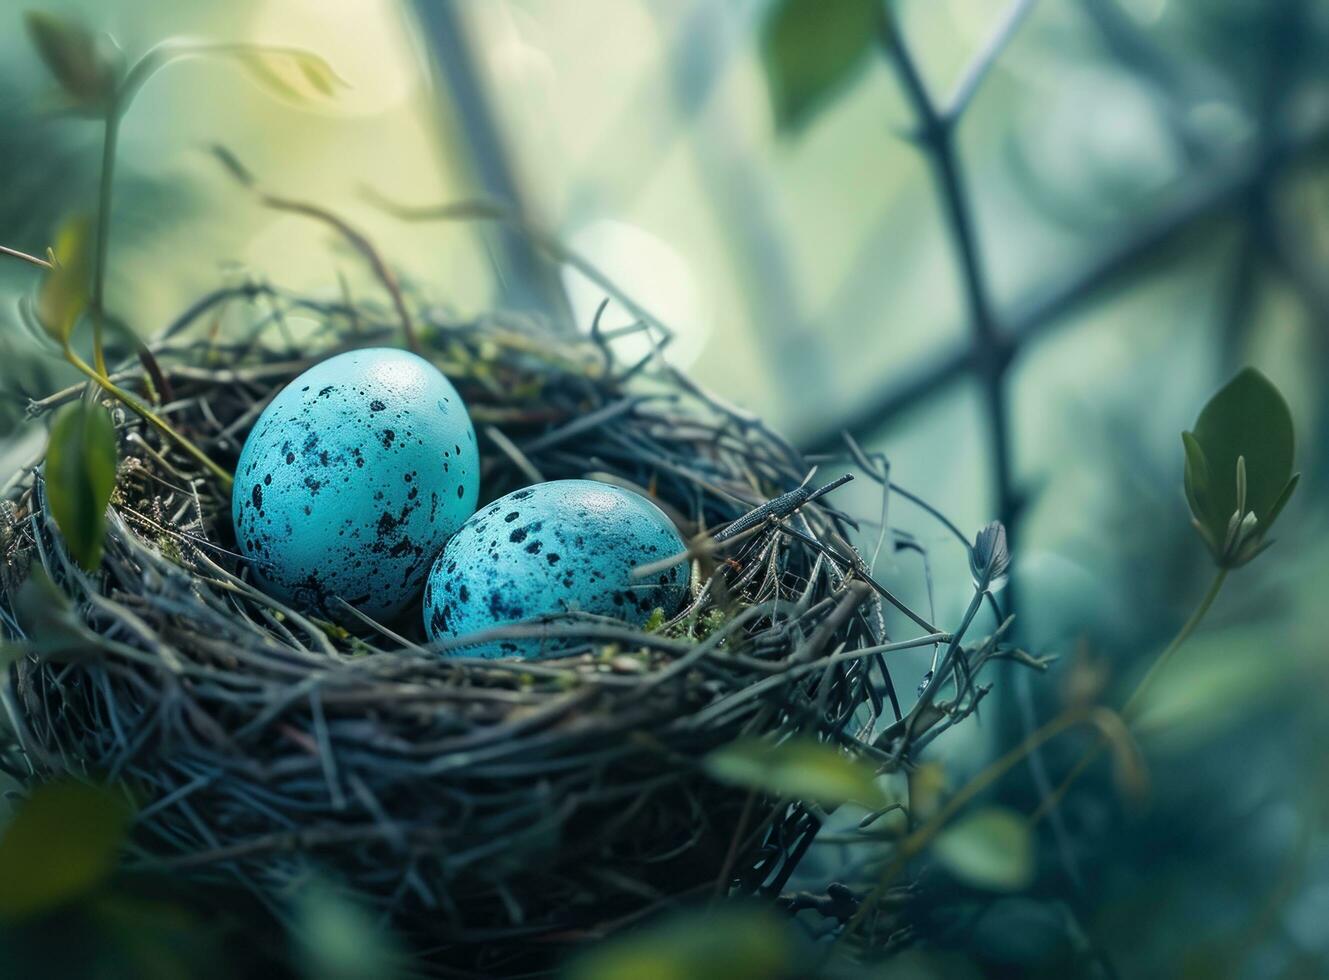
column 492, row 806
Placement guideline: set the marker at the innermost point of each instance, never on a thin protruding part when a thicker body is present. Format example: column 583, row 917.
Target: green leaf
column 727, row 942
column 989, row 848
column 63, row 843
column 337, row 939
column 1246, row 420
column 811, row 49
column 799, row 768
column 1197, row 471
column 80, row 476
column 88, row 66
column 1282, row 500
column 289, row 73
column 66, row 287
column 990, row 558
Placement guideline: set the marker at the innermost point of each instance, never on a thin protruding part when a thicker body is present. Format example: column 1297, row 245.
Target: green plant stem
column 1132, row 705
column 24, row 256
column 149, row 416
column 917, row 841
column 99, row 374
column 110, row 137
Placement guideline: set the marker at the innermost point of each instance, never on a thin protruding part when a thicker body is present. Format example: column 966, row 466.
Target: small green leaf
column 290, row 73
column 1282, row 500
column 88, row 66
column 1197, row 469
column 811, row 49
column 989, row 848
column 80, row 476
column 727, row 942
column 1239, row 461
column 990, row 558
column 66, row 287
column 63, row 842
column 337, row 939
column 1196, row 481
column 799, row 768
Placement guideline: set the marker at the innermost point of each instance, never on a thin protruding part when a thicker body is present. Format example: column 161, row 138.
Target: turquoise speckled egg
column 351, row 481
column 568, row 545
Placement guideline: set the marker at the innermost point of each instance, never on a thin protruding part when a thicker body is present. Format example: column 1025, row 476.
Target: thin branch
column 545, row 242
column 740, row 195
column 1130, row 711
column 991, row 351
column 444, row 27
column 1135, row 51
column 361, row 244
column 355, row 238
column 15, row 253
column 1199, row 199
column 937, row 138
column 151, row 417
column 973, row 77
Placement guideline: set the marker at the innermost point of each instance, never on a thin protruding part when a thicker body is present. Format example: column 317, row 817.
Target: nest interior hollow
column 479, row 801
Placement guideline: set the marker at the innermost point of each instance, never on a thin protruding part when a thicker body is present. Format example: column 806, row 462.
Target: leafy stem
column 1103, row 720
column 90, row 70
column 1132, row 706
column 259, row 60
column 58, row 316
column 110, row 136
column 1238, row 478
column 148, row 415
column 1133, row 702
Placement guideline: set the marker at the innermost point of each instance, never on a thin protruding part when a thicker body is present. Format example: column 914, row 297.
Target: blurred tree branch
column 530, row 282
column 1201, row 199
column 741, row 197
column 990, row 353
column 1171, row 84
column 936, row 136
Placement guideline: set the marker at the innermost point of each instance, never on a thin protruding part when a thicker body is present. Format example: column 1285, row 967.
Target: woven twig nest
column 494, row 804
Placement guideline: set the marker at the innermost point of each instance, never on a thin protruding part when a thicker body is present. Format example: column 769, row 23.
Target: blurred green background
column 1149, row 186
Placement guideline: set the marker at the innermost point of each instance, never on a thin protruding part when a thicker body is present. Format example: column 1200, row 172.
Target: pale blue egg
column 550, row 549
column 351, row 481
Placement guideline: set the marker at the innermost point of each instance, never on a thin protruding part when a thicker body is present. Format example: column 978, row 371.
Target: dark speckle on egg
column 572, row 547
column 347, row 507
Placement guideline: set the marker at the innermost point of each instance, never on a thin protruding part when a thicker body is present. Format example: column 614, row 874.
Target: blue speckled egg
column 568, row 545
column 351, row 481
